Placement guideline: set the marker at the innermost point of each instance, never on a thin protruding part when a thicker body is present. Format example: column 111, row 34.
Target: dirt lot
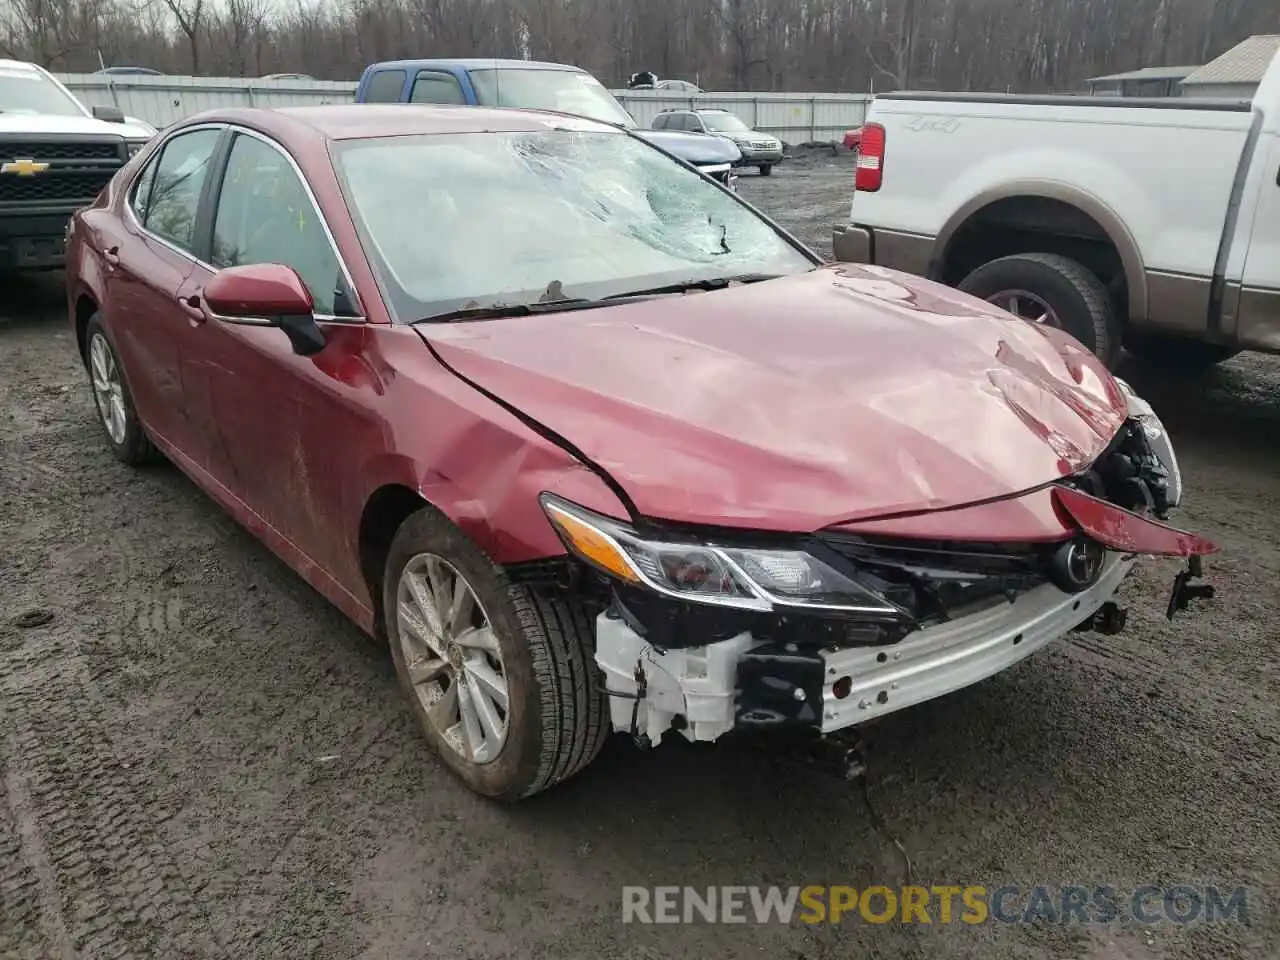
column 200, row 758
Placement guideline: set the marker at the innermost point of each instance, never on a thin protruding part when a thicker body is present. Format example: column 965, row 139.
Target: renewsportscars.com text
column 1182, row 904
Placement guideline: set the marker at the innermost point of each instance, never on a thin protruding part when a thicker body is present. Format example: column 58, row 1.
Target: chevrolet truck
column 55, row 157
column 1148, row 224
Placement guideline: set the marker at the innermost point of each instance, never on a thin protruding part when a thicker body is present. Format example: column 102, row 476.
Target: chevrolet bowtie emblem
column 24, row 168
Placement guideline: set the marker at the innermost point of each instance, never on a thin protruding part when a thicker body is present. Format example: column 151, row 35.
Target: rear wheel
column 1176, row 354
column 766, row 169
column 1054, row 290
column 502, row 679
column 111, row 397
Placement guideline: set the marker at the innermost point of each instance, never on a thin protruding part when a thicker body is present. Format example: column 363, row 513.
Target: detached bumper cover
column 947, row 657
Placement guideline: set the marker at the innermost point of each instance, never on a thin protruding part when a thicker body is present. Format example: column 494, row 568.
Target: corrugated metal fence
column 792, row 117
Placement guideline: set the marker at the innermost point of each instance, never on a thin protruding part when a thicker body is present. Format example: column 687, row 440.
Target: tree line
column 798, row 45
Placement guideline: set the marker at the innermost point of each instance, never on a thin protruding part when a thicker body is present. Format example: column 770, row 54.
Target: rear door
column 1258, row 323
column 148, row 264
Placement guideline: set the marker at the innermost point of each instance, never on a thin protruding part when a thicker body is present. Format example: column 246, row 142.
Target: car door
column 149, row 258
column 1259, row 312
column 281, row 420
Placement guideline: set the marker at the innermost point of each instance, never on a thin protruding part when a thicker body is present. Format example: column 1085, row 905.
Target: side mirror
column 108, row 114
column 266, row 294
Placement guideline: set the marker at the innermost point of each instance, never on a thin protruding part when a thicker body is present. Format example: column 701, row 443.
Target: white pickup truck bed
column 1171, row 205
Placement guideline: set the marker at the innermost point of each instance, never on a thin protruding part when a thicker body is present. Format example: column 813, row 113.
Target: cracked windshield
column 478, row 220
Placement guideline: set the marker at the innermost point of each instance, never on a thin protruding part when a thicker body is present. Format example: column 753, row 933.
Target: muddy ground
column 200, row 758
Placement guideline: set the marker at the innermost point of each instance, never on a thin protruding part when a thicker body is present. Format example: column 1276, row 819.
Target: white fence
column 792, row 117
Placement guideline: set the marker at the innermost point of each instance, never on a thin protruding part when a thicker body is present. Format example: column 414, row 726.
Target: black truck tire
column 1076, row 297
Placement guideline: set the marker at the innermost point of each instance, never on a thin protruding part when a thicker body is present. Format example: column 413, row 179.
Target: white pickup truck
column 55, row 156
column 1152, row 224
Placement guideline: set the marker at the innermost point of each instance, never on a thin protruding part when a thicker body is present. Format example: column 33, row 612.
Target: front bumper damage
column 978, row 609
column 706, row 691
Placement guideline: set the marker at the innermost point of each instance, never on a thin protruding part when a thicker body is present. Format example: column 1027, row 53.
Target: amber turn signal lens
column 592, row 545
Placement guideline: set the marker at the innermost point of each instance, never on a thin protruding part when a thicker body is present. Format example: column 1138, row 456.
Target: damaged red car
column 590, row 442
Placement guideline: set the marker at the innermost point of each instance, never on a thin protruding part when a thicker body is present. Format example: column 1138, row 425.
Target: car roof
column 353, row 121
column 474, row 63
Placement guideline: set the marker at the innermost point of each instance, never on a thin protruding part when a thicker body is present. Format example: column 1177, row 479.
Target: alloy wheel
column 1026, row 305
column 107, row 390
column 452, row 657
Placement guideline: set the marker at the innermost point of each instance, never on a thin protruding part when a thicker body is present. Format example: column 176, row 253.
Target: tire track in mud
column 84, row 823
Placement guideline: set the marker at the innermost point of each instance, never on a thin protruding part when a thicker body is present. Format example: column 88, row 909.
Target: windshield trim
column 336, row 147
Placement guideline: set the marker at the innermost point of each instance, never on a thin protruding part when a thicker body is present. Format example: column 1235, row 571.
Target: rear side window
column 429, row 87
column 660, row 121
column 168, row 208
column 385, row 86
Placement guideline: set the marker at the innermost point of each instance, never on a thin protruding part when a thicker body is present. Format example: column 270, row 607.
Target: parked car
column 537, row 86
column 758, row 149
column 55, row 155
column 647, row 80
column 1148, row 223
column 601, row 448
column 287, row 76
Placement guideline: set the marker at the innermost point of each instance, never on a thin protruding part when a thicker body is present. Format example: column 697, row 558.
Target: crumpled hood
column 845, row 393
column 697, row 148
column 40, row 123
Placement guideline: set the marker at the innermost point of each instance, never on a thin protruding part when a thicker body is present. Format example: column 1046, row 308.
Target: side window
column 686, row 122
column 141, row 195
column 385, row 86
column 693, row 122
column 660, row 121
column 173, row 193
column 264, row 215
column 436, row 88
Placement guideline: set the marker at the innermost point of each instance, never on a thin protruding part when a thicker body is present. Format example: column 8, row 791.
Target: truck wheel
column 1052, row 289
column 111, row 397
column 502, row 679
column 766, row 169
column 1176, row 354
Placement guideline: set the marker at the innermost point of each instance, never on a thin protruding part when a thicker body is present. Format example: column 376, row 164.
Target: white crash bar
column 929, row 663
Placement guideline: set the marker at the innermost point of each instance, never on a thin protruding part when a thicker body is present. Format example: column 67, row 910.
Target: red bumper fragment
column 1120, row 529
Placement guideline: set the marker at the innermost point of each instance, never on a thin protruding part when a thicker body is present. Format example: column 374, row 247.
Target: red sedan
column 589, row 441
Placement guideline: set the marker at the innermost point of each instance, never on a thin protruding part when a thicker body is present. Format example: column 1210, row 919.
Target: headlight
column 1157, row 437
column 718, row 574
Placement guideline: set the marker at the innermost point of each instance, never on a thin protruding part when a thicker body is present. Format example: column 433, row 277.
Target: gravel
column 199, row 757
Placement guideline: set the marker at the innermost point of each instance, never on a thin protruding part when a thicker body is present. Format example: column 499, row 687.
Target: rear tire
column 766, row 169
column 1162, row 352
column 1076, row 297
column 556, row 718
column 111, row 397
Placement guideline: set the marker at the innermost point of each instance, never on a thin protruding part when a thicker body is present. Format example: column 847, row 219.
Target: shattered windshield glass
column 27, row 91
column 460, row 221
column 565, row 91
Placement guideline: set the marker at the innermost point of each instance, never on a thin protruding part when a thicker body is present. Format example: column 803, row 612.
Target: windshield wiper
column 714, row 283
column 494, row 311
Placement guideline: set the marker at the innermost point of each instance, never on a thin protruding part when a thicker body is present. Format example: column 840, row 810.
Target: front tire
column 501, row 678
column 1052, row 289
column 766, row 169
column 111, row 397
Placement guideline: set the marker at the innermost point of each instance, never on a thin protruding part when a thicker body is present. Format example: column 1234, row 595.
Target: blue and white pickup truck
column 536, row 86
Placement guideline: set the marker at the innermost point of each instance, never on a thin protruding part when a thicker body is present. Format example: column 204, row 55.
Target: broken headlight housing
column 711, row 573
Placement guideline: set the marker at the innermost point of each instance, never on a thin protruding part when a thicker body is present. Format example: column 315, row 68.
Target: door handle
column 112, row 256
column 192, row 307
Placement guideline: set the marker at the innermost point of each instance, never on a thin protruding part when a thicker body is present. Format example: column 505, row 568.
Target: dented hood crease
column 841, row 394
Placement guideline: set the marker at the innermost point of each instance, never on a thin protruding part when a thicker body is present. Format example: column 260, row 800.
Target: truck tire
column 1075, row 298
column 766, row 169
column 111, row 398
column 1163, row 352
column 504, row 683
